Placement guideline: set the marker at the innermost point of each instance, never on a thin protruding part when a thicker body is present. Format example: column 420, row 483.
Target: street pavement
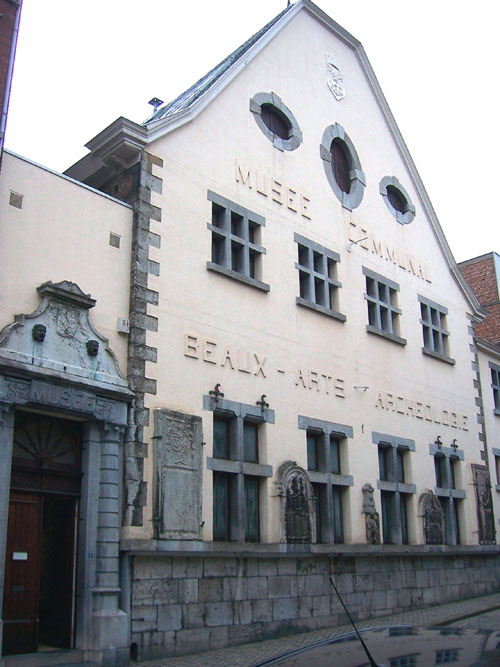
column 482, row 613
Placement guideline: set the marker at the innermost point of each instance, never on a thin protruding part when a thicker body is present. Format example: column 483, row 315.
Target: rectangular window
column 495, row 385
column 320, row 501
column 237, row 478
column 338, row 514
column 221, row 438
column 384, row 463
column 395, row 487
column 455, row 504
column 250, row 442
column 434, row 329
column 446, row 656
column 382, row 301
column 454, row 463
column 404, row 517
column 388, row 516
column 400, row 476
column 334, row 455
column 236, row 249
column 448, row 482
column 404, row 661
column 221, row 506
column 440, row 467
column 318, row 283
column 251, row 509
column 326, row 444
column 313, row 453
column 497, row 468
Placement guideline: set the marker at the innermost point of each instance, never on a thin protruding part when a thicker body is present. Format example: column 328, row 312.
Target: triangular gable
column 189, row 104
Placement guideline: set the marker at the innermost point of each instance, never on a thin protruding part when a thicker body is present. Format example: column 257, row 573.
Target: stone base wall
column 183, row 605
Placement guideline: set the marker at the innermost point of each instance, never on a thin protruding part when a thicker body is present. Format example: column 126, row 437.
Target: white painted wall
column 62, row 233
column 200, row 156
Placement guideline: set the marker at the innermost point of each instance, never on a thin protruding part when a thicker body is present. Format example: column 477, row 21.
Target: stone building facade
column 482, row 273
column 302, row 393
column 65, row 405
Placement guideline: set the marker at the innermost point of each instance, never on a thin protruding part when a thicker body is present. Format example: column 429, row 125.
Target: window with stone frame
column 436, row 336
column 447, row 655
column 382, row 302
column 238, row 471
column 496, row 454
column 236, row 242
column 342, row 166
column 318, row 280
column 447, row 469
column 326, row 444
column 395, row 491
column 405, row 660
column 495, row 385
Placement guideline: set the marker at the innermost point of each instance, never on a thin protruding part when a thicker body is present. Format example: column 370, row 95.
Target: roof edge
column 488, row 348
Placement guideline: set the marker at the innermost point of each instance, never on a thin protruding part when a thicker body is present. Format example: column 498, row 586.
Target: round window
column 397, row 200
column 276, row 121
column 342, row 166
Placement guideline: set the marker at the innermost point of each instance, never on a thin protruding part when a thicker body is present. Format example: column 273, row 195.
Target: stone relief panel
column 178, row 462
column 372, row 519
column 484, row 504
column 59, row 336
column 432, row 517
column 298, row 515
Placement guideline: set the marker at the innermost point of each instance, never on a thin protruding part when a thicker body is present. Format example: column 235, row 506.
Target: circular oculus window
column 342, row 166
column 397, row 200
column 276, row 121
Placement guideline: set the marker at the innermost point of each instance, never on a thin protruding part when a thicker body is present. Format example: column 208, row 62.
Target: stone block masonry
column 186, row 604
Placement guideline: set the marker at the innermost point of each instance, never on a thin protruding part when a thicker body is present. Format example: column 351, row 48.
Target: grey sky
column 80, row 65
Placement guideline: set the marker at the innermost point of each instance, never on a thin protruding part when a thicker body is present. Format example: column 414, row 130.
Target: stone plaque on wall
column 298, row 517
column 484, row 504
column 432, row 517
column 178, row 462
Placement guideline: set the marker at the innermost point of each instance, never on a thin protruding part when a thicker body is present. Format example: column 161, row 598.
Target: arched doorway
column 40, row 572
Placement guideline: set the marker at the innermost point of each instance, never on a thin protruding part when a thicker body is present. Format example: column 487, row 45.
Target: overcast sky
column 80, row 65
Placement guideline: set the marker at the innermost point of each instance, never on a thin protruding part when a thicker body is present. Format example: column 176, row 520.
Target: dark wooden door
column 57, row 571
column 39, row 573
column 22, row 574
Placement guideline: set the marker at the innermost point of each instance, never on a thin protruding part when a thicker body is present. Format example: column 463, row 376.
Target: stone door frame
column 102, row 628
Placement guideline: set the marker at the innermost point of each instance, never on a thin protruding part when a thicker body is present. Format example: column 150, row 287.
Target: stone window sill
column 386, row 335
column 440, row 357
column 321, row 309
column 240, row 277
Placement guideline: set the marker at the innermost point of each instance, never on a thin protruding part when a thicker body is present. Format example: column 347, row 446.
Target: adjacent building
column 483, row 273
column 10, row 15
column 280, row 382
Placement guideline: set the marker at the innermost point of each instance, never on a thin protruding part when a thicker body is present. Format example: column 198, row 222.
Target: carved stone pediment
column 59, row 337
